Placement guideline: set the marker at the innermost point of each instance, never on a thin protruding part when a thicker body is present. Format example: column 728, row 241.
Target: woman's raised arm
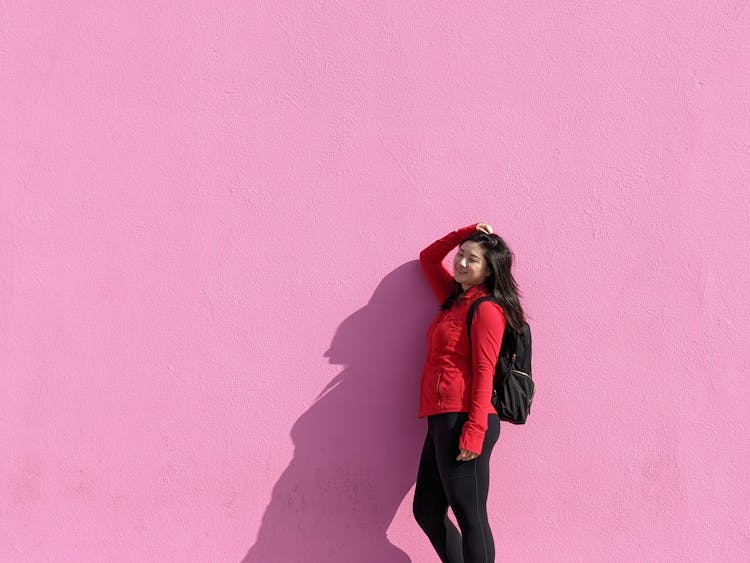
column 431, row 258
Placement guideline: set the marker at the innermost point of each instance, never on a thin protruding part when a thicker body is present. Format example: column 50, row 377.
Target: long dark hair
column 500, row 284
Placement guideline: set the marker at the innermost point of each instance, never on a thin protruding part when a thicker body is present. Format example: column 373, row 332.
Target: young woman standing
column 456, row 390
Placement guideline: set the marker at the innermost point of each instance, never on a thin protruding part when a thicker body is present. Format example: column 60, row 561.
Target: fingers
column 466, row 455
column 485, row 228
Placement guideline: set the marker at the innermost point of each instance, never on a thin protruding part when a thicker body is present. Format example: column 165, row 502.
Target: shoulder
column 489, row 313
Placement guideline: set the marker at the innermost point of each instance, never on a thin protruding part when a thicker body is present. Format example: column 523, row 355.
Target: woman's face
column 469, row 265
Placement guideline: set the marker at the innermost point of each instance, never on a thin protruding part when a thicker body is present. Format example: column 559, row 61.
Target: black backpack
column 512, row 386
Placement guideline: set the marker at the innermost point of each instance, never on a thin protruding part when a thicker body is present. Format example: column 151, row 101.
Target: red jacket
column 457, row 377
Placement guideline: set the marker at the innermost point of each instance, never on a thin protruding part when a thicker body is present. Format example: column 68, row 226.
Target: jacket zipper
column 440, row 375
column 440, row 400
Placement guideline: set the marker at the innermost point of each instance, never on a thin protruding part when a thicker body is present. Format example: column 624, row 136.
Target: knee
column 469, row 513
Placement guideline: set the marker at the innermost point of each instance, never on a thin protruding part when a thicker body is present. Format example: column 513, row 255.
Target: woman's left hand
column 486, row 228
column 466, row 455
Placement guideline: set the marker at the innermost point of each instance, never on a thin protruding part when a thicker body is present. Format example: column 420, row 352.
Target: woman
column 456, row 389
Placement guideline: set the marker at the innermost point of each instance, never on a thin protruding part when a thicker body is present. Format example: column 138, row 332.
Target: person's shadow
column 357, row 447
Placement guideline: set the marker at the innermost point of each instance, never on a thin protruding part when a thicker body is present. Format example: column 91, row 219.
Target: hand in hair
column 485, row 228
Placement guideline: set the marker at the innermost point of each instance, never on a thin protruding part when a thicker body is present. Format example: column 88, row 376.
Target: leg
column 431, row 507
column 466, row 486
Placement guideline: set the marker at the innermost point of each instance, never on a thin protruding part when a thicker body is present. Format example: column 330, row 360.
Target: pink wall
column 212, row 324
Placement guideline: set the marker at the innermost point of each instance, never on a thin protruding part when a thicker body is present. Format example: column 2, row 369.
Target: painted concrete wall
column 212, row 323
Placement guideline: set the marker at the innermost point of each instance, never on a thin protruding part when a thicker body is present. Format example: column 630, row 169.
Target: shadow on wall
column 357, row 448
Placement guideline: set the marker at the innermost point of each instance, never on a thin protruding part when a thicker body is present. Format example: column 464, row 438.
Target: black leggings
column 442, row 481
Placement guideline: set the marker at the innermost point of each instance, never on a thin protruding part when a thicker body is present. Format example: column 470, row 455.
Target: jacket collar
column 474, row 293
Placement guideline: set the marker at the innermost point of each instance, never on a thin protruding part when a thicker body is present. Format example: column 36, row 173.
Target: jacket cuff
column 471, row 441
column 466, row 231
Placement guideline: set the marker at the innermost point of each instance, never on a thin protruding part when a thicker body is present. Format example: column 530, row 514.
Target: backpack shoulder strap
column 472, row 312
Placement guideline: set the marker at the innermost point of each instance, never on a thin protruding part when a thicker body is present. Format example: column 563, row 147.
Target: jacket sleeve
column 487, row 330
column 431, row 258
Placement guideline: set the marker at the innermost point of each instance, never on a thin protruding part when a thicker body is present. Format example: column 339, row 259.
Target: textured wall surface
column 212, row 324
